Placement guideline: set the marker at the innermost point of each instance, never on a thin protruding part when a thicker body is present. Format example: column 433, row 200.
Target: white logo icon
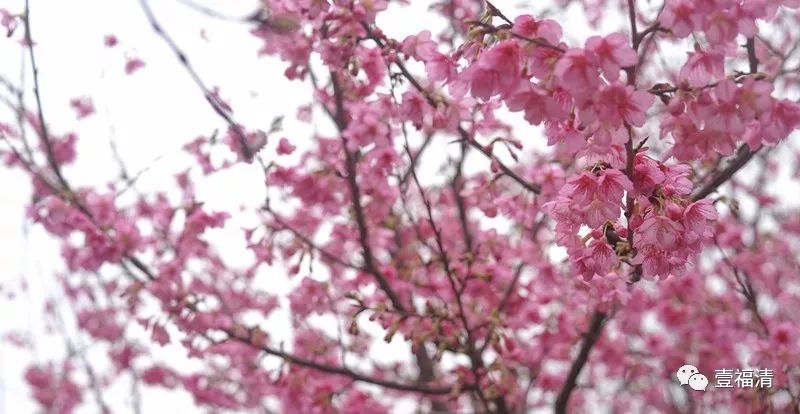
column 685, row 372
column 689, row 374
column 698, row 382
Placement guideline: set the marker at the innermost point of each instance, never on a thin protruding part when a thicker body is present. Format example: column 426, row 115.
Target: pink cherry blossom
column 617, row 104
column 599, row 196
column 83, row 106
column 110, row 40
column 611, row 53
column 546, row 29
column 702, row 67
column 285, row 147
column 496, row 71
column 133, row 64
column 681, row 17
column 577, row 72
column 8, row 21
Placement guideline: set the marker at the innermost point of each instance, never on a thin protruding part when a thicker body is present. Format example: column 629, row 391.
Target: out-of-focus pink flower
column 133, row 64
column 611, row 52
column 83, row 106
column 110, row 40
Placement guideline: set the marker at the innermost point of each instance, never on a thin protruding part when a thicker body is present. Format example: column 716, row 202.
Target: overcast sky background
column 150, row 115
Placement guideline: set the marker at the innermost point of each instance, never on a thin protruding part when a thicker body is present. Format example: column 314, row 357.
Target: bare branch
column 743, row 156
column 589, row 339
column 216, row 105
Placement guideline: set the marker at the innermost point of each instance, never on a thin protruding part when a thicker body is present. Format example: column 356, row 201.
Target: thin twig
column 216, row 105
column 42, row 130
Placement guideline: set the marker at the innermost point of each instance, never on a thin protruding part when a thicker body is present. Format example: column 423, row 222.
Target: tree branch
column 743, row 156
column 43, row 133
column 589, row 339
column 355, row 194
column 355, row 376
column 212, row 100
column 424, row 362
column 476, row 361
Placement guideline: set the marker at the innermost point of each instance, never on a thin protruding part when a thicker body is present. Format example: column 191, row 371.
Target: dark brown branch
column 743, row 156
column 370, row 263
column 589, row 339
column 355, row 376
column 457, row 185
column 496, row 12
column 743, row 280
column 752, row 59
column 632, row 22
column 643, row 34
column 533, row 188
column 414, row 160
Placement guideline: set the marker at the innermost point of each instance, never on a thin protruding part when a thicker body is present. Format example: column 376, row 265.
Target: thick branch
column 743, row 156
column 752, row 59
column 589, row 339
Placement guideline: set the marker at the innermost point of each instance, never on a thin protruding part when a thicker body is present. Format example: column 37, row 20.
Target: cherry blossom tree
column 575, row 275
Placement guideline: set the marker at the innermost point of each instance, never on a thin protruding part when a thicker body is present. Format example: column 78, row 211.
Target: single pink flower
column 612, row 53
column 577, row 72
column 133, row 64
column 110, row 40
column 617, row 103
column 496, row 71
column 702, row 67
column 285, row 147
column 546, row 29
column 83, row 106
column 680, row 17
